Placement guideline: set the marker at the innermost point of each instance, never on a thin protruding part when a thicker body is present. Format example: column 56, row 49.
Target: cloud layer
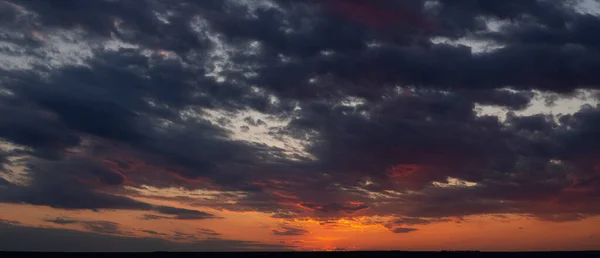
column 300, row 109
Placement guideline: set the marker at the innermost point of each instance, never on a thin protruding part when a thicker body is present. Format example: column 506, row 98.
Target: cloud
column 4, row 182
column 70, row 197
column 184, row 214
column 258, row 122
column 289, row 231
column 417, row 221
column 102, row 227
column 68, row 184
column 22, row 238
column 404, row 225
column 152, row 232
column 153, row 217
column 208, row 232
column 178, row 214
column 184, row 236
column 562, row 217
column 62, row 221
column 335, row 207
column 133, row 22
column 403, row 230
column 379, row 107
column 9, row 222
column 105, row 227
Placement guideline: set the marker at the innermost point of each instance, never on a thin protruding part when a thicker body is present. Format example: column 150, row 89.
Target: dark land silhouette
column 336, row 254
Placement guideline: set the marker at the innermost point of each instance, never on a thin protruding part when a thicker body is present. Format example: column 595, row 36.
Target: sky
column 247, row 125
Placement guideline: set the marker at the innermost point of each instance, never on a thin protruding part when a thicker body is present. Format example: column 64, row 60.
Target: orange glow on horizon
column 361, row 233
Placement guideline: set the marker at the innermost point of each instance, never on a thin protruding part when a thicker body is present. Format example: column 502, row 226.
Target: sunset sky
column 246, row 125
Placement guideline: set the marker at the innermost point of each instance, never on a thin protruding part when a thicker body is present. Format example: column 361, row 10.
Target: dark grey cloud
column 9, row 222
column 131, row 21
column 335, row 207
column 224, row 121
column 33, row 128
column 405, row 224
column 532, row 123
column 300, row 61
column 102, row 227
column 178, row 214
column 359, row 70
column 252, row 122
column 60, row 184
column 4, row 182
column 403, row 230
column 207, row 232
column 62, row 221
column 289, row 231
column 153, row 217
column 72, row 197
column 55, row 114
column 562, row 217
column 74, row 183
column 152, row 232
column 22, row 238
column 417, row 221
column 183, row 236
column 410, row 142
column 184, row 214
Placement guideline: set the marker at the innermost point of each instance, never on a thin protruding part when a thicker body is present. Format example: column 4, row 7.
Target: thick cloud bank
column 321, row 109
